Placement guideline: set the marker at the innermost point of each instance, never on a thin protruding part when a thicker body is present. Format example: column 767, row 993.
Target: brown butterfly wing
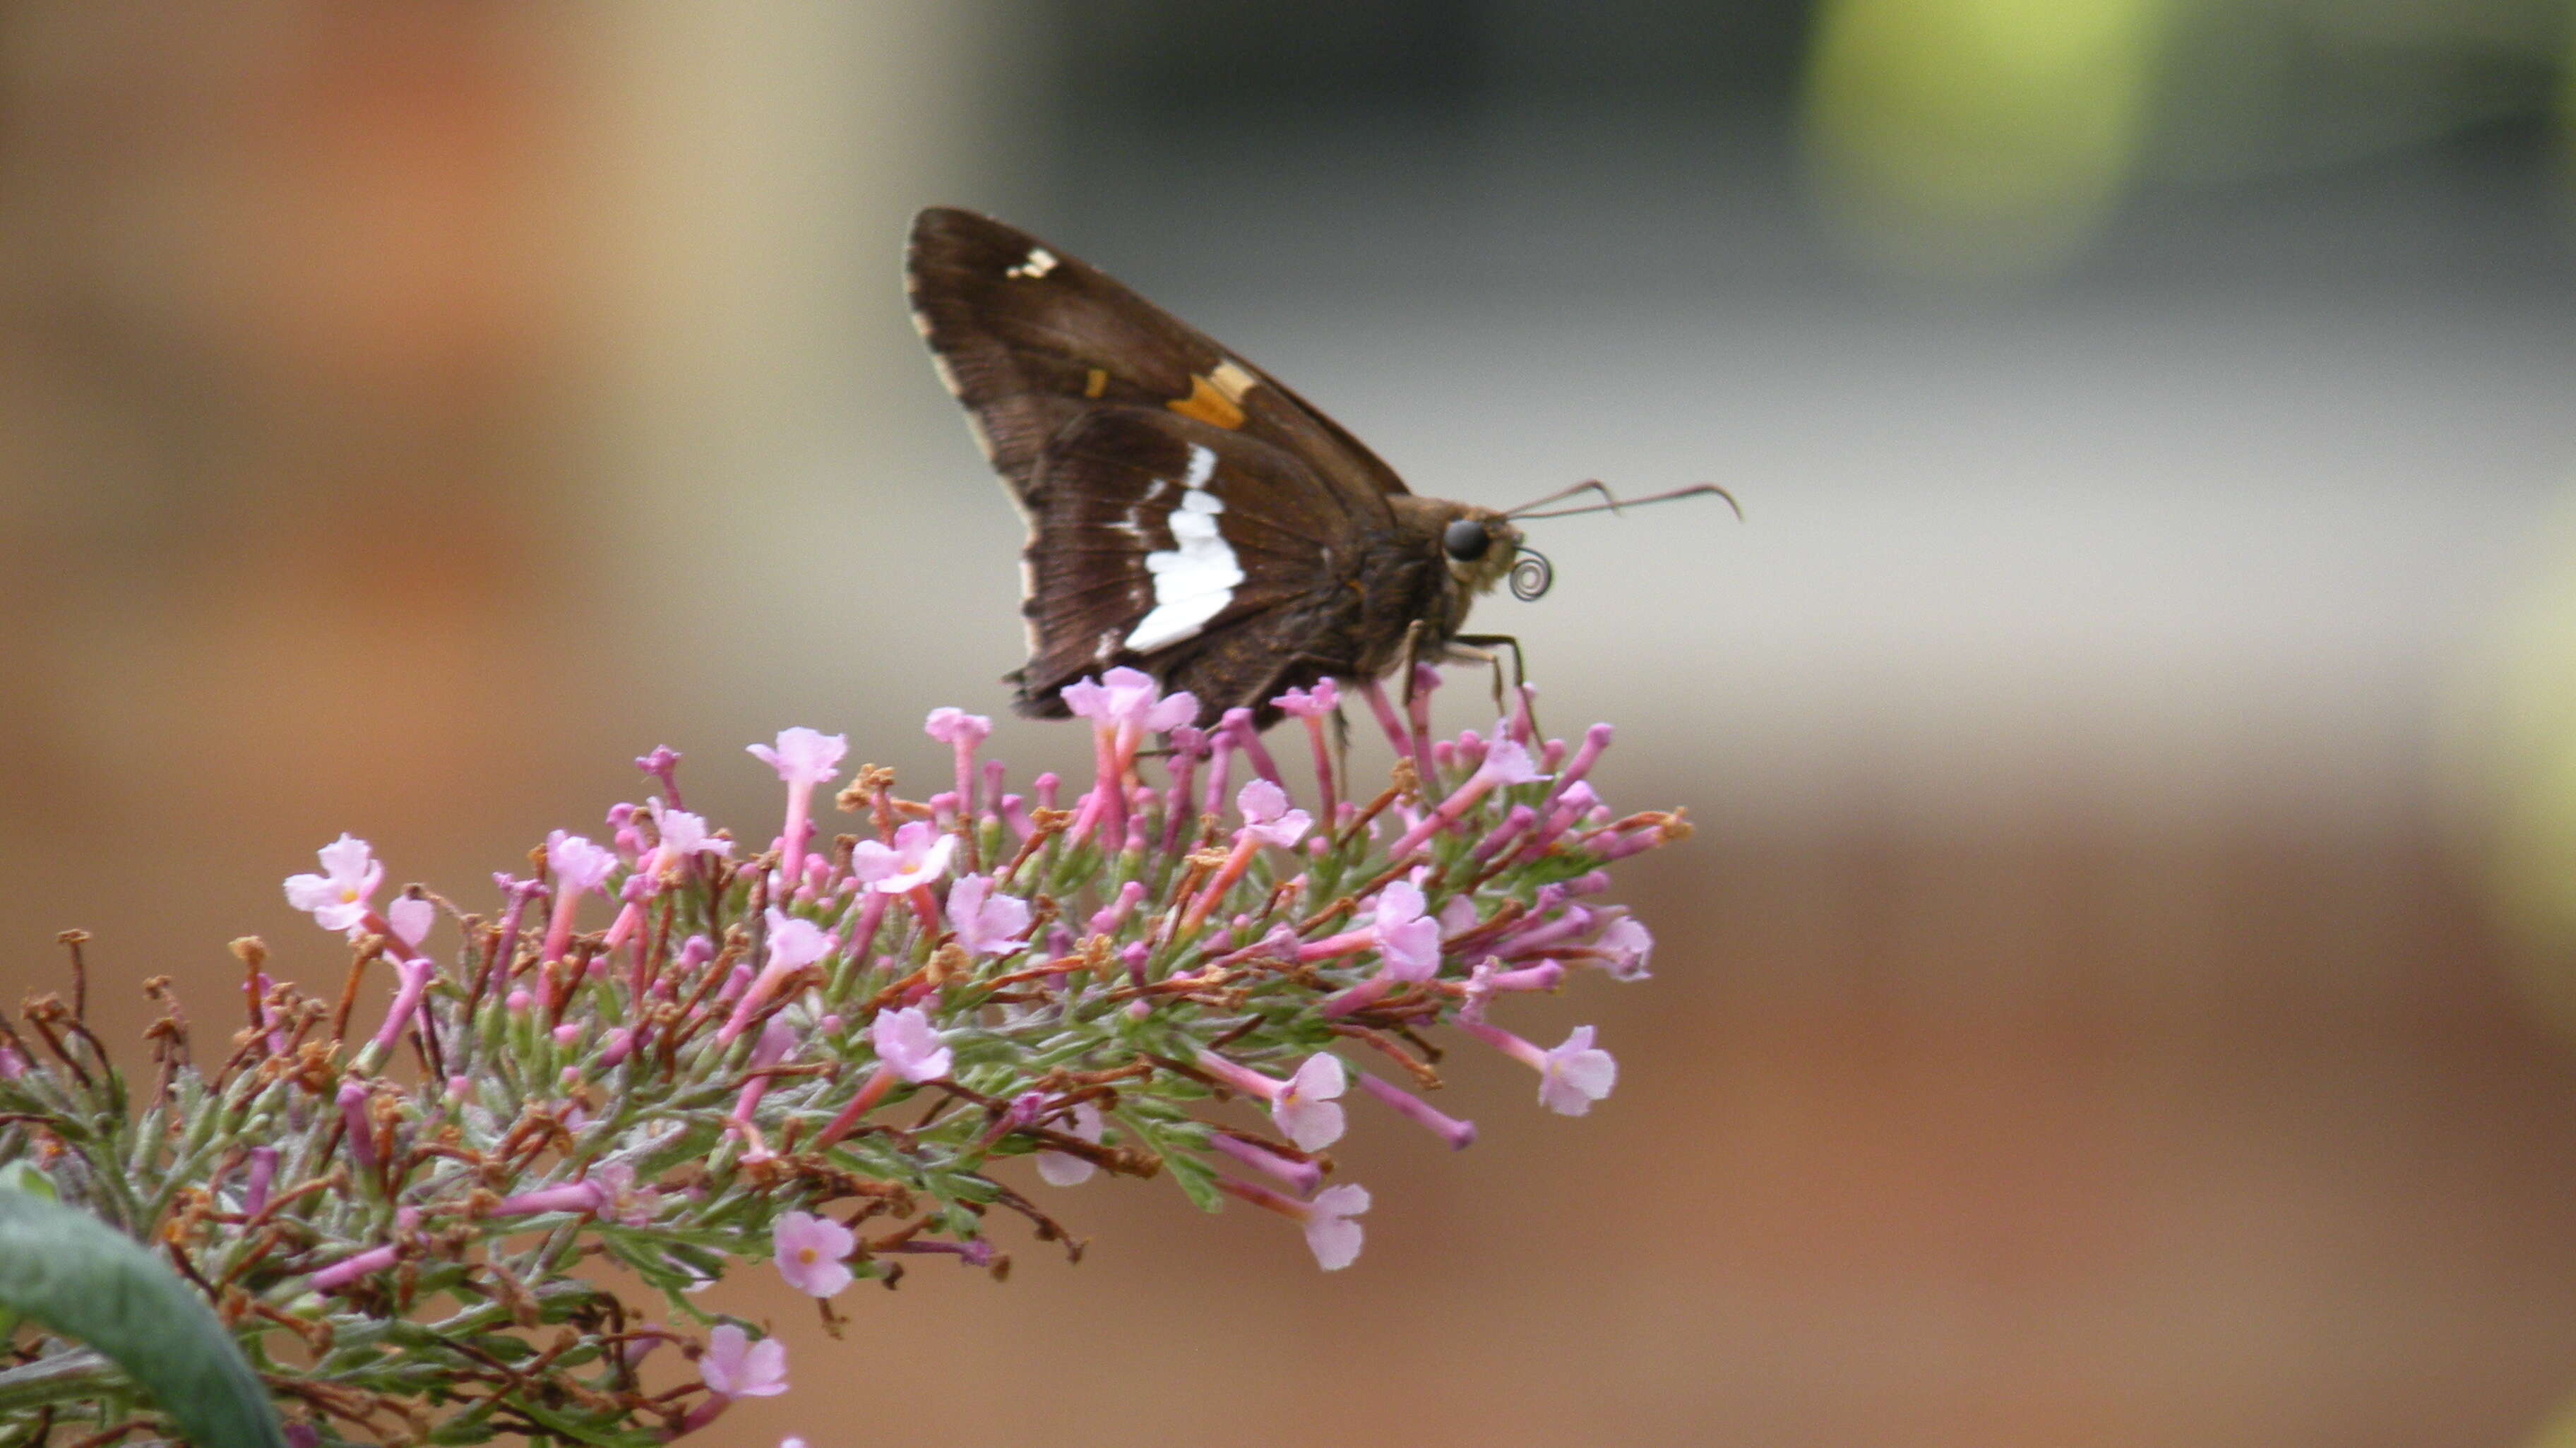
column 1204, row 556
column 1093, row 404
column 1030, row 339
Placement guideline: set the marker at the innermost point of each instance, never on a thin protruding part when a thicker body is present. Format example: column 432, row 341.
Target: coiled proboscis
column 1531, row 574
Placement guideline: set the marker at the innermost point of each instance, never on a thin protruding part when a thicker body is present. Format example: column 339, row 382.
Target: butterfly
column 1188, row 515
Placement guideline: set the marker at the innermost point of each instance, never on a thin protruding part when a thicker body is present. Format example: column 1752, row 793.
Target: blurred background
column 2121, row 989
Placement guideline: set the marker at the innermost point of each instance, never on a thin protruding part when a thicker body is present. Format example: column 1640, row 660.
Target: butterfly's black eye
column 1466, row 540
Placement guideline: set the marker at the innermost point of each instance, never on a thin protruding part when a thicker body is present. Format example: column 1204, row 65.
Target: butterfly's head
column 1481, row 546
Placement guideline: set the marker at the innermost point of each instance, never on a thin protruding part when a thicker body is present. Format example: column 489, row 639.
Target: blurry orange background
column 2113, row 997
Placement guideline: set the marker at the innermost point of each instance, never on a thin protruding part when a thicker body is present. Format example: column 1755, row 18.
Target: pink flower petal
column 411, row 919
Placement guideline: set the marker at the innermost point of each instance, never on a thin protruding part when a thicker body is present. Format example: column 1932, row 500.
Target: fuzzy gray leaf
column 86, row 1281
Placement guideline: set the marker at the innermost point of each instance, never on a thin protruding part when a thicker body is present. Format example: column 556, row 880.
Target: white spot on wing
column 1195, row 579
column 1133, row 525
column 1040, row 262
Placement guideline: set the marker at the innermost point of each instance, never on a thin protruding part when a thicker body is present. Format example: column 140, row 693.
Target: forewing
column 1194, row 552
column 1031, row 340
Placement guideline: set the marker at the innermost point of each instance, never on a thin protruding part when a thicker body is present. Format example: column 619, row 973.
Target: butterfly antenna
column 1611, row 503
column 1590, row 485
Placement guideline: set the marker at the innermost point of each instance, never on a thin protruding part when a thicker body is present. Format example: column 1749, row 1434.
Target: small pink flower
column 620, row 1200
column 608, row 1192
column 411, row 918
column 1625, row 945
column 1546, row 975
column 956, row 726
column 1574, row 1075
column 736, row 1367
column 1267, row 820
column 1481, row 991
column 1330, row 1233
column 579, row 866
column 794, row 944
column 1506, row 761
column 355, row 1124
column 778, row 1040
column 986, row 923
column 1129, row 698
column 1570, row 1077
column 1302, row 1106
column 684, row 836
column 963, row 733
column 803, row 756
column 906, row 1041
column 803, row 760
column 412, row 975
column 918, row 856
column 662, row 763
column 1305, row 1110
column 1063, row 1169
column 809, row 1251
column 339, row 898
column 1267, row 817
column 1313, row 703
column 1408, row 941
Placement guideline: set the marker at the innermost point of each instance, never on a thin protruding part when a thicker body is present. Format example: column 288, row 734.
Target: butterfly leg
column 1467, row 654
column 1414, row 633
column 1482, row 649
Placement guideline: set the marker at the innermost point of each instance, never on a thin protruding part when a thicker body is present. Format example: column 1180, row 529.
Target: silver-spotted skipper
column 1189, row 516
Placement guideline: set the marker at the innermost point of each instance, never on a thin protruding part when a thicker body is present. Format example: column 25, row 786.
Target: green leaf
column 85, row 1280
column 21, row 1176
column 1195, row 1180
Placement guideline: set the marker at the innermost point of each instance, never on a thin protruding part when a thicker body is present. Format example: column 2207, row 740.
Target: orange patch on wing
column 1208, row 405
column 1095, row 384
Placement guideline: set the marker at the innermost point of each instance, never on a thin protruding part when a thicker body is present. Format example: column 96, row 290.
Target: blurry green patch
column 2567, row 107
column 1979, row 139
column 2511, row 747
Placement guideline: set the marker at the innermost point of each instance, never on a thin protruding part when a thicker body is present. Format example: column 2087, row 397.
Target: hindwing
column 1203, row 555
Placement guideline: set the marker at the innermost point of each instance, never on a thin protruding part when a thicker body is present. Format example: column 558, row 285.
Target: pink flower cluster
column 1173, row 971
